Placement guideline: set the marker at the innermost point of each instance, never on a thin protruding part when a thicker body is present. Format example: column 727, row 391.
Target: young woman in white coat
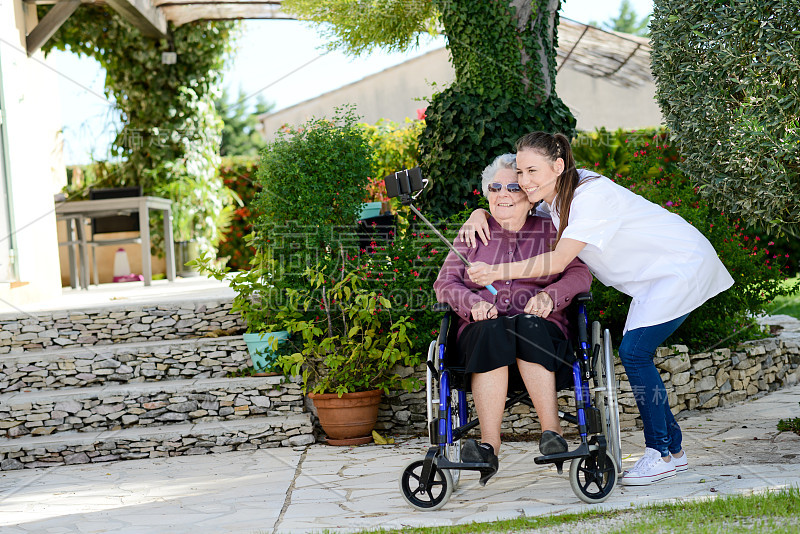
column 631, row 244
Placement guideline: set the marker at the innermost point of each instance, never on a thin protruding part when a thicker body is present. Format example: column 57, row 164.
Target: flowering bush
column 757, row 270
column 238, row 174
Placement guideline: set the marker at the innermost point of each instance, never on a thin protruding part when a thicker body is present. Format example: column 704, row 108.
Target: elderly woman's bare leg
column 489, row 394
column 541, row 386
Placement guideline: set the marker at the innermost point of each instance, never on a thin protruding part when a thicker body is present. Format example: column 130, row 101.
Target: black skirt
column 493, row 343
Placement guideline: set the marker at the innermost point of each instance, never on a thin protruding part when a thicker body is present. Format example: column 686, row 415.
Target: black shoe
column 471, row 452
column 552, row 443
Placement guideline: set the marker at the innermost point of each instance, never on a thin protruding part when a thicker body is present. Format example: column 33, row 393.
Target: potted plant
column 256, row 298
column 347, row 351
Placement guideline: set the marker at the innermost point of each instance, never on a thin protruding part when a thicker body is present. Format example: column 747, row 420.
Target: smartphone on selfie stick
column 406, row 185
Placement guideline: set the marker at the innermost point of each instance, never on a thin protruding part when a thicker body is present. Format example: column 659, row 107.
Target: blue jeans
column 661, row 431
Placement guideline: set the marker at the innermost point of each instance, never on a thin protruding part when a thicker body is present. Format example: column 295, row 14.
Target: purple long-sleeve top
column 454, row 287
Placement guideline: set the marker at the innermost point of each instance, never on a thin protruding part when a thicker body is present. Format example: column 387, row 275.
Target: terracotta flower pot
column 348, row 420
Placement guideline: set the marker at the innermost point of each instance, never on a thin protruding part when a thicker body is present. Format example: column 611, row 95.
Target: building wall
column 393, row 94
column 32, row 127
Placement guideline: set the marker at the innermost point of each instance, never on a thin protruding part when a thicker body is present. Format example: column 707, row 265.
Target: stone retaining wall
column 184, row 440
column 19, row 333
column 141, row 405
column 697, row 381
column 82, row 367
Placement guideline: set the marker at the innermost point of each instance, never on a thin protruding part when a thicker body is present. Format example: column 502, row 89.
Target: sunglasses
column 496, row 187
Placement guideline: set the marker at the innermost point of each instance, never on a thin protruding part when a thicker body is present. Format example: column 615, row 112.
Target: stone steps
column 122, row 363
column 113, row 407
column 195, row 317
column 174, row 440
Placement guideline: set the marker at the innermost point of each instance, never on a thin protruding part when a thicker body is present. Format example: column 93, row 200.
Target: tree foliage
column 504, row 57
column 359, row 27
column 240, row 136
column 727, row 78
column 627, row 21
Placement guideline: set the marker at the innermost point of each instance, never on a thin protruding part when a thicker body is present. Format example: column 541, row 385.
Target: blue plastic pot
column 370, row 209
column 260, row 348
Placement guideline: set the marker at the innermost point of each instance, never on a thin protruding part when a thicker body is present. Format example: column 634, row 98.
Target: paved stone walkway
column 307, row 489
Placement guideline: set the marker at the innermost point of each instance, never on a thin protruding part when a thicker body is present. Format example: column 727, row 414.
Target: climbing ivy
column 504, row 57
column 170, row 133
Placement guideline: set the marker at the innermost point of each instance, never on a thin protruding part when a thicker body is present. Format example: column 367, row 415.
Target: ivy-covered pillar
column 504, row 55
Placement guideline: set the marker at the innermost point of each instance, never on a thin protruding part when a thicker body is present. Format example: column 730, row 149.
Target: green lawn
column 787, row 305
column 777, row 511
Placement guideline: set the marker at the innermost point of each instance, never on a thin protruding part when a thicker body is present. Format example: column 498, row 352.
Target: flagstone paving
column 731, row 450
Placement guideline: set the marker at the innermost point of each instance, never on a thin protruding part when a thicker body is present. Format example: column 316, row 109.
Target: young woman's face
column 537, row 175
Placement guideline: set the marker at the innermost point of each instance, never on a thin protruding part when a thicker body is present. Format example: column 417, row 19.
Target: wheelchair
column 427, row 484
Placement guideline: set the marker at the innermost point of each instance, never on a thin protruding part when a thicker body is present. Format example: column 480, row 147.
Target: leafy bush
column 238, row 174
column 395, row 146
column 654, row 174
column 313, row 179
column 346, row 344
column 726, row 77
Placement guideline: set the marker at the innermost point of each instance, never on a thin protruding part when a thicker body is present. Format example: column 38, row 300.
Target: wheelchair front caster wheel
column 590, row 483
column 436, row 492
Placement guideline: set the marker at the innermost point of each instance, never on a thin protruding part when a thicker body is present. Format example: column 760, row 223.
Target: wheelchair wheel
column 431, row 498
column 606, row 393
column 590, row 483
column 453, row 451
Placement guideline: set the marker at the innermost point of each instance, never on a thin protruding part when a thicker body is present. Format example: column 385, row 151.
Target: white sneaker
column 681, row 464
column 650, row 468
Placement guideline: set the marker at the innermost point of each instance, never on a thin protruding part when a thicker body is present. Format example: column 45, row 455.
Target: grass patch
column 790, row 425
column 786, row 304
column 774, row 511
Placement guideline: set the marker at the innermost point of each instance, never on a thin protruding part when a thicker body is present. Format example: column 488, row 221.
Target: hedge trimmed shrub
column 727, row 75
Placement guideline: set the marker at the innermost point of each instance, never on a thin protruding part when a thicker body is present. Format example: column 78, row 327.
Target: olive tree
column 728, row 83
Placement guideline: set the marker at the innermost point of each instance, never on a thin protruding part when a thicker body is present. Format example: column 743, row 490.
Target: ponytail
column 554, row 147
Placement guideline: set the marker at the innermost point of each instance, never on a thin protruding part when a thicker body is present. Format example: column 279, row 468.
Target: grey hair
column 504, row 161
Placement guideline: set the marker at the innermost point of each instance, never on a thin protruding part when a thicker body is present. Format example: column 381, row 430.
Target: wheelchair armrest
column 441, row 307
column 584, row 297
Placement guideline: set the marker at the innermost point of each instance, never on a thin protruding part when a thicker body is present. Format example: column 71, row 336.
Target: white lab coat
column 643, row 250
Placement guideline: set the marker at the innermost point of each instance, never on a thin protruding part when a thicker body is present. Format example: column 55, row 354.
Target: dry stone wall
column 103, row 326
column 114, row 408
column 124, row 363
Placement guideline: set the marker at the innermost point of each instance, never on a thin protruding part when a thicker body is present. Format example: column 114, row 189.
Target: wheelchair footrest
column 561, row 457
column 444, row 463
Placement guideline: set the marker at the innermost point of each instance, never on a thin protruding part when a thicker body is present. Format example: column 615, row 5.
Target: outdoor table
column 79, row 211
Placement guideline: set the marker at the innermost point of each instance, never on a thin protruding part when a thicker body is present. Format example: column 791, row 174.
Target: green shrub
column 727, row 318
column 313, row 179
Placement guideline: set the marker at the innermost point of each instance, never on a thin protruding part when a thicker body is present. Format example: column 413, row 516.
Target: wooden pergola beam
column 49, row 24
column 142, row 14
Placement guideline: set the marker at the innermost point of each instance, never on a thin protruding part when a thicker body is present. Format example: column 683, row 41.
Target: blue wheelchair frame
column 591, row 462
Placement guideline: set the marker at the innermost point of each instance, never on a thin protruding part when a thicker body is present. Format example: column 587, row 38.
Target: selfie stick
column 406, row 199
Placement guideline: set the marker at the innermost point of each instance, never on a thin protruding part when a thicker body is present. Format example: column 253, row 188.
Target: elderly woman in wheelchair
column 488, row 342
column 523, row 326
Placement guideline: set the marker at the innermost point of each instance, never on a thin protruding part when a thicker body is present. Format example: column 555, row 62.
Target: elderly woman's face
column 505, row 206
